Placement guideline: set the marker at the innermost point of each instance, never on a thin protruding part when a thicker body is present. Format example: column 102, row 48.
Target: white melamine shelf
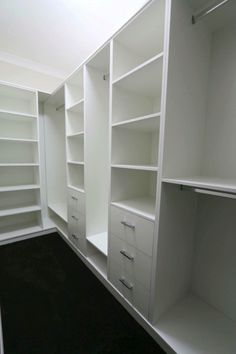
column 139, row 67
column 76, row 188
column 136, row 167
column 19, row 114
column 19, row 210
column 19, row 188
column 76, row 163
column 74, row 135
column 23, row 230
column 219, row 184
column 145, row 80
column 60, row 209
column 143, row 206
column 100, row 241
column 18, row 164
column 148, row 122
column 194, row 327
column 98, row 261
column 19, row 140
column 77, row 106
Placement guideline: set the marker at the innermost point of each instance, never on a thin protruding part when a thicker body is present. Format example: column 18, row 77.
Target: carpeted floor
column 52, row 304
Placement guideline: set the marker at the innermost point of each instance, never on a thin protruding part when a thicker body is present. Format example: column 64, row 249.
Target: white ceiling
column 55, row 36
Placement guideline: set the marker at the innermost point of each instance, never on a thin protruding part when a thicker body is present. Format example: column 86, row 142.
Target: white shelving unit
column 19, row 162
column 140, row 169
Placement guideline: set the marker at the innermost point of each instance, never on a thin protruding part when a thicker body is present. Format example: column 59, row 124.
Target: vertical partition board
column 56, row 154
column 96, row 151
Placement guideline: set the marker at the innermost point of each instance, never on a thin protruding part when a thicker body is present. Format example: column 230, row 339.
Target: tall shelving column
column 75, row 133
column 97, row 149
column 19, row 162
column 135, row 118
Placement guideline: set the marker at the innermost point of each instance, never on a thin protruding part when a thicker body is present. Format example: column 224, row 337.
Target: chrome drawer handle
column 74, row 198
column 128, row 225
column 127, row 255
column 75, row 237
column 126, row 284
column 74, row 217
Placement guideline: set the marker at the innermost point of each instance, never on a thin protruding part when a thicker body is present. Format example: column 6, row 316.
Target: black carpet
column 52, row 304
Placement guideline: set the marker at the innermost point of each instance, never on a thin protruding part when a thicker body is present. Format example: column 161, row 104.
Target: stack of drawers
column 131, row 244
column 76, row 219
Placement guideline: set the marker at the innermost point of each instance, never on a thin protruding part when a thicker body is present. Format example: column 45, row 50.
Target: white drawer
column 134, row 229
column 135, row 293
column 76, row 202
column 77, row 234
column 134, row 263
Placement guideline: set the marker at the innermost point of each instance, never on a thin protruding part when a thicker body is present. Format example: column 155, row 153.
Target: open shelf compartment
column 139, row 93
column 134, row 191
column 140, row 40
column 74, row 89
column 17, row 100
column 17, row 127
column 136, row 143
column 200, row 239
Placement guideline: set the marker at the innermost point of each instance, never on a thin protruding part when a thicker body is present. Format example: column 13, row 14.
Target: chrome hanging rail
column 207, row 10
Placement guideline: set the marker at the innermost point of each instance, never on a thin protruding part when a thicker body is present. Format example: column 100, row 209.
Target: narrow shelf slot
column 74, row 88
column 76, row 175
column 100, row 242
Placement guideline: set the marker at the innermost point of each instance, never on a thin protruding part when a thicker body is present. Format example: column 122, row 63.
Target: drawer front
column 133, row 229
column 134, row 263
column 76, row 202
column 135, row 293
column 77, row 234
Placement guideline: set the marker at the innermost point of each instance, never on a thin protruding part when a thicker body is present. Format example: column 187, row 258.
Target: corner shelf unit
column 19, row 162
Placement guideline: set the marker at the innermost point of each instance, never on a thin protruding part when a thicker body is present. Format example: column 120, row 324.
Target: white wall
column 33, row 79
column 56, row 34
